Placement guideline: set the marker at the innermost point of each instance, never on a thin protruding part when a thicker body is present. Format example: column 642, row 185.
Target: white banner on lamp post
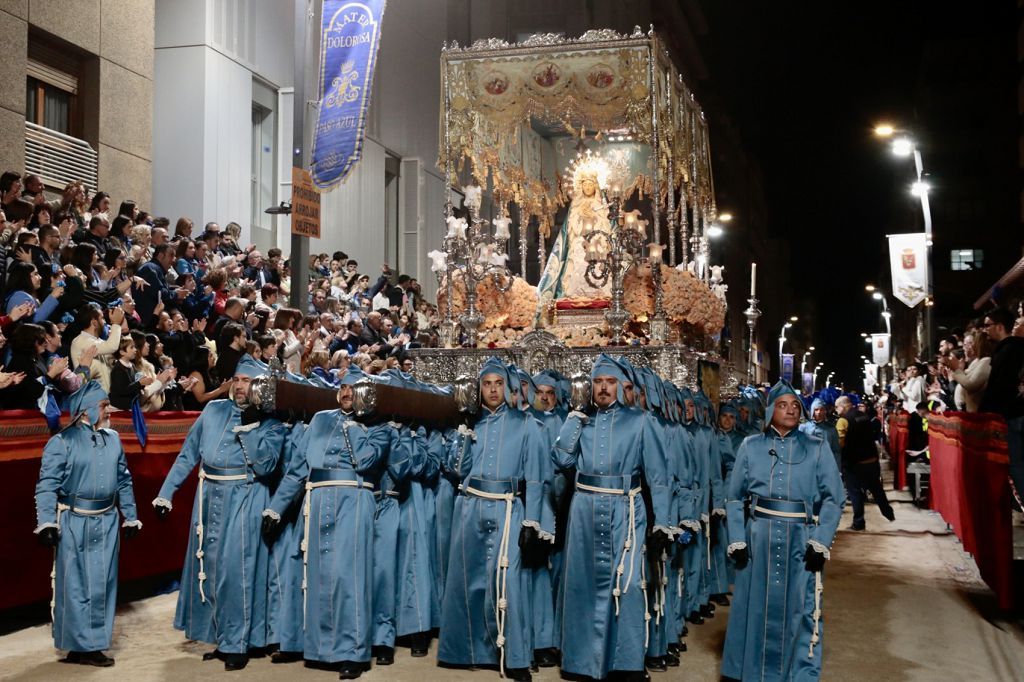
column 880, row 349
column 908, row 260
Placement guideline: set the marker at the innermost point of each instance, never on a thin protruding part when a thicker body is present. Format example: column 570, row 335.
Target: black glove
column 161, row 511
column 269, row 528
column 714, row 529
column 49, row 537
column 130, row 532
column 533, row 552
column 657, row 541
column 814, row 560
column 741, row 557
column 252, row 415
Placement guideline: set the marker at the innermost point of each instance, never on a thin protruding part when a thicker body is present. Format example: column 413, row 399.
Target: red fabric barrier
column 899, row 434
column 159, row 548
column 970, row 489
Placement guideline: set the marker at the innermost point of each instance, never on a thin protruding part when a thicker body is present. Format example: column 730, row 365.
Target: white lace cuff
column 579, row 415
column 542, row 534
column 163, row 502
column 690, row 525
column 136, row 523
column 245, row 428
column 664, row 529
column 718, row 512
column 467, row 432
column 704, row 518
column 819, row 548
column 733, row 546
column 44, row 526
column 395, row 425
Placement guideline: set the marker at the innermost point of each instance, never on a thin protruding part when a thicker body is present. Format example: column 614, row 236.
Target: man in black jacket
column 860, row 463
column 1004, row 393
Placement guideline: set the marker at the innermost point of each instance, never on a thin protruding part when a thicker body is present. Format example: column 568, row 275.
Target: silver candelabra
column 477, row 253
column 752, row 313
column 610, row 255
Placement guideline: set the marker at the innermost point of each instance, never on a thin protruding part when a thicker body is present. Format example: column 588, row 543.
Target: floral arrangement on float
column 503, row 310
column 687, row 300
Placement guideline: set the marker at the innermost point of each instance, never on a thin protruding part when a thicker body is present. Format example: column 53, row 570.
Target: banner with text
column 349, row 41
column 787, row 367
column 908, row 260
column 880, row 349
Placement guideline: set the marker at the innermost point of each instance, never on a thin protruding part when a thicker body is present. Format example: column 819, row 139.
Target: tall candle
column 753, row 280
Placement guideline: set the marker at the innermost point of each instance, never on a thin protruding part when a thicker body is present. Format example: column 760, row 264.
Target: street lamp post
column 903, row 145
column 782, row 339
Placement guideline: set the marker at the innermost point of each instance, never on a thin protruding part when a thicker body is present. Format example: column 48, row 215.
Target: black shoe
column 96, row 658
column 285, row 656
column 685, row 631
column 349, row 670
column 695, row 618
column 545, row 658
column 214, row 655
column 720, row 599
column 682, row 647
column 888, row 513
column 655, row 663
column 519, row 674
column 419, row 643
column 385, row 655
column 673, row 648
column 235, row 661
column 671, row 660
column 857, row 528
column 708, row 611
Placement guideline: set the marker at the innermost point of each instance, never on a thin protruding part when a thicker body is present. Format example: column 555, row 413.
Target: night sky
column 805, row 83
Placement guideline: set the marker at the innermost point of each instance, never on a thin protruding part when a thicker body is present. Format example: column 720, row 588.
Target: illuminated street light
column 920, row 188
column 869, row 287
column 884, row 130
column 902, row 146
column 725, row 217
column 715, row 231
column 877, row 296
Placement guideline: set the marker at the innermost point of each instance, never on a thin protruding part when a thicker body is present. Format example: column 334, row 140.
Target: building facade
column 76, row 93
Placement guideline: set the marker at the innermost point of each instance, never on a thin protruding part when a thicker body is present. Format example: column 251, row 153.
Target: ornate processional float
column 599, row 142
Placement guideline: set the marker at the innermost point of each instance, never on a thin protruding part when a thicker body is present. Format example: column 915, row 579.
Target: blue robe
column 225, row 592
column 338, row 532
column 722, row 458
column 385, row 541
column 546, row 633
column 444, row 504
column 86, row 469
column 682, row 465
column 609, row 632
column 771, row 621
column 505, row 453
column 695, row 556
column 286, row 561
column 415, row 587
column 661, row 625
column 826, row 431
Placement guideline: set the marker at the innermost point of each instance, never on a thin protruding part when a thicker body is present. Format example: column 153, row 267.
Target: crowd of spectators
column 977, row 369
column 161, row 315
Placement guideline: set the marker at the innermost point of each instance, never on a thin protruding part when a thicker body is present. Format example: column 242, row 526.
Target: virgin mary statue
column 564, row 275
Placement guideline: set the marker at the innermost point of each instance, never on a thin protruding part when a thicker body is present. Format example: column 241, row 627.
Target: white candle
column 753, row 279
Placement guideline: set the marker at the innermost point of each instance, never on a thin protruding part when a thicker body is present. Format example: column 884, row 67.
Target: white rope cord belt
column 707, row 538
column 199, row 525
column 816, row 636
column 501, row 574
column 306, row 511
column 61, row 508
column 787, row 515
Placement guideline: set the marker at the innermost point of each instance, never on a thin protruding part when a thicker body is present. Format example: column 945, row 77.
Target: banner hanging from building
column 787, row 367
column 880, row 349
column 870, row 378
column 908, row 260
column 349, row 41
column 808, row 383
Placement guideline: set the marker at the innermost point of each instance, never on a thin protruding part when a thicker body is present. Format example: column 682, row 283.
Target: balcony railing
column 59, row 158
